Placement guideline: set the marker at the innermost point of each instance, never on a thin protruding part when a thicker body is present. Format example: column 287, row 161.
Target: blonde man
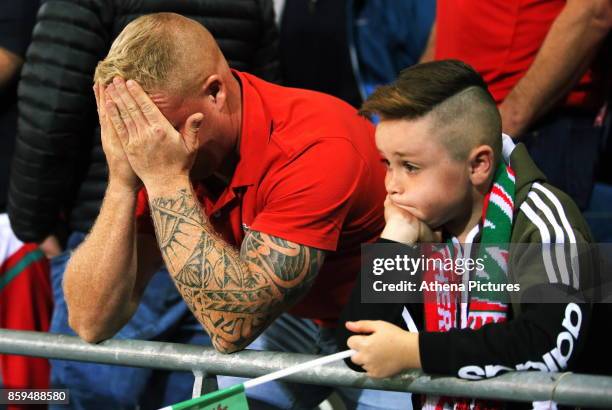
column 59, row 173
column 259, row 196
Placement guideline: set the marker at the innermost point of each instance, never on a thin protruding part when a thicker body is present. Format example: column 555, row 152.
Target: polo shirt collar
column 256, row 129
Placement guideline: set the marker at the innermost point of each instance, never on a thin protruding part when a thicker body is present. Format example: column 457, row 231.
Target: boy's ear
column 482, row 165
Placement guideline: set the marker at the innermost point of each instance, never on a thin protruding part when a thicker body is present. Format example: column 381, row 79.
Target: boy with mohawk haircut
column 452, row 176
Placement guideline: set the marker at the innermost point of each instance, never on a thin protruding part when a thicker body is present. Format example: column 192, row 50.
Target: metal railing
column 205, row 363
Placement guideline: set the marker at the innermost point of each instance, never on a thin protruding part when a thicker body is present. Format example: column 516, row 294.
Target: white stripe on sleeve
column 559, row 236
column 568, row 229
column 545, row 234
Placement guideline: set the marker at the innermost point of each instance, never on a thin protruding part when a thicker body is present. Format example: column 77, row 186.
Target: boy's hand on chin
column 404, row 227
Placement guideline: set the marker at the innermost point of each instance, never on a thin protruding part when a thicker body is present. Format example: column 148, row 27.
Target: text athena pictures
column 404, row 264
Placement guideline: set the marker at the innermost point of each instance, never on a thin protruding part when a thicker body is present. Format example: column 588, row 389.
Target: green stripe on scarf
column 497, row 228
column 12, row 273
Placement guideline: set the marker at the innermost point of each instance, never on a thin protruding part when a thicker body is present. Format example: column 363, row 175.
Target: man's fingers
column 147, row 107
column 122, row 112
column 102, row 100
column 362, row 326
column 116, row 122
column 192, row 126
column 130, row 104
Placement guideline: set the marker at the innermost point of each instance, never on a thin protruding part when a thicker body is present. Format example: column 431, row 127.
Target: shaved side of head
column 163, row 52
column 465, row 121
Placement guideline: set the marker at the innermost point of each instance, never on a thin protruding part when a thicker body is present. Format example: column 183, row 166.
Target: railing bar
column 574, row 389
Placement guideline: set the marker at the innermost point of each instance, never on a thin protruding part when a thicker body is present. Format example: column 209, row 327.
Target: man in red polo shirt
column 259, row 197
column 548, row 68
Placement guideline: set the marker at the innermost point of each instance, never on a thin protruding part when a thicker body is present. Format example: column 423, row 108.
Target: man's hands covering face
column 120, row 170
column 156, row 152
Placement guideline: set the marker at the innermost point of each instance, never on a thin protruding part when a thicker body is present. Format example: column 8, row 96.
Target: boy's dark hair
column 463, row 112
column 420, row 88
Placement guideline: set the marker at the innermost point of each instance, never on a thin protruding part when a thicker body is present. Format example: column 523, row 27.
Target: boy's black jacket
column 534, row 337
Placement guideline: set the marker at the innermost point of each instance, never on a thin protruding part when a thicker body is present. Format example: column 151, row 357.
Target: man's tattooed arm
column 235, row 295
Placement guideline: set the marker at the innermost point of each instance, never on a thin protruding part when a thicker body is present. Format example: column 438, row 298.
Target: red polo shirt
column 308, row 172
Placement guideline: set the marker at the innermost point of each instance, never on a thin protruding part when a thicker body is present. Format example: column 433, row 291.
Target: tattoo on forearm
column 233, row 294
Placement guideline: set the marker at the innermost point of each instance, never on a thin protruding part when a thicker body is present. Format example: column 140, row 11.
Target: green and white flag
column 234, row 398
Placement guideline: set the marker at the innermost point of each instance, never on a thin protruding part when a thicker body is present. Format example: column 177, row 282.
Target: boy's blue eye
column 409, row 167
